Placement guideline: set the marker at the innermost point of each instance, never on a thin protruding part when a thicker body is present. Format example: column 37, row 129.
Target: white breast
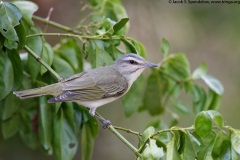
column 97, row 103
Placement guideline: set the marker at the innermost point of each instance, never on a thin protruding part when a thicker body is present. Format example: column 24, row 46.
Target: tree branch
column 127, row 130
column 39, row 59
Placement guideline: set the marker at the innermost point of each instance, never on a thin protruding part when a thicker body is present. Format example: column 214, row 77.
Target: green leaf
column 10, row 16
column 130, row 48
column 198, row 97
column 65, row 142
column 45, row 124
column 10, row 44
column 189, row 151
column 209, row 149
column 69, row 50
column 62, row 67
column 10, row 126
column 152, row 96
column 180, row 107
column 36, row 45
column 11, row 106
column 47, row 56
column 102, row 58
column 200, row 71
column 27, row 8
column 222, row 145
column 6, row 75
column 203, row 124
column 172, row 152
column 89, row 133
column 165, row 46
column 20, row 29
column 235, row 140
column 120, row 24
column 213, row 83
column 17, row 68
column 177, row 66
column 217, row 118
column 152, row 151
column 139, row 47
column 148, row 132
column 132, row 101
column 215, row 100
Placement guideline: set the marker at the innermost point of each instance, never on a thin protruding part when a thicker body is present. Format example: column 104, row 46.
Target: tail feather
column 53, row 89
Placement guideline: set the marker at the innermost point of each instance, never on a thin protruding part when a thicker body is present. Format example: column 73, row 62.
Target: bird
column 96, row 87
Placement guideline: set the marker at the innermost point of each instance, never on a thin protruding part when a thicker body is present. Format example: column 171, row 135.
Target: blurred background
column 204, row 32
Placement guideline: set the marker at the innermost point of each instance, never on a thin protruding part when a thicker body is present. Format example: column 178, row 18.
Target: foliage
column 56, row 128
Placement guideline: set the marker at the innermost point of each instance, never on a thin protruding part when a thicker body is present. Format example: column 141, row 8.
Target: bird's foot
column 106, row 124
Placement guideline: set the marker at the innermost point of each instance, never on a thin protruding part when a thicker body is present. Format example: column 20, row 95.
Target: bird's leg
column 104, row 121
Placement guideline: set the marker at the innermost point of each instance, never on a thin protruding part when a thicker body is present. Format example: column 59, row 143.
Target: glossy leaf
column 102, row 58
column 10, row 16
column 45, row 124
column 180, row 107
column 20, row 29
column 10, row 126
column 6, row 75
column 47, row 56
column 177, row 66
column 217, row 118
column 69, row 51
column 36, row 45
column 148, row 132
column 133, row 99
column 213, row 83
column 152, row 151
column 152, row 95
column 27, row 8
column 222, row 145
column 89, row 133
column 235, row 139
column 11, row 106
column 17, row 68
column 65, row 142
column 10, row 44
column 172, row 152
column 62, row 67
column 130, row 48
column 203, row 124
column 198, row 97
column 215, row 100
column 165, row 46
column 200, row 71
column 189, row 151
column 120, row 24
column 139, row 47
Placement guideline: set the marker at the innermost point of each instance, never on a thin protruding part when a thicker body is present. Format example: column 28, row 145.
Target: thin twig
column 39, row 59
column 127, row 130
column 54, row 24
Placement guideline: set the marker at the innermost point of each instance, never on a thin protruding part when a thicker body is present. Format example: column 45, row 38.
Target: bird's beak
column 150, row 65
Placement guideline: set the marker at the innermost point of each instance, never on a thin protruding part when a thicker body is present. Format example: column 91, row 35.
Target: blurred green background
column 205, row 32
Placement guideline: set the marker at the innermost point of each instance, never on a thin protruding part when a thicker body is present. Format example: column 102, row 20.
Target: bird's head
column 131, row 66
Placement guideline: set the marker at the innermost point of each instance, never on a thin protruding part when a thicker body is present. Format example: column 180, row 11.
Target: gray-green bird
column 96, row 87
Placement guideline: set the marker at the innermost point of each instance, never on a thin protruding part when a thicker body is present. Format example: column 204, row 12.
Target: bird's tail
column 53, row 89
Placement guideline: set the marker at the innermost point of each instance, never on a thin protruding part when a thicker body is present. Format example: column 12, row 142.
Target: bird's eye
column 131, row 61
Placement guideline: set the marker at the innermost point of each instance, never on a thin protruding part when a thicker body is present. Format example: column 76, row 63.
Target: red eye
column 131, row 61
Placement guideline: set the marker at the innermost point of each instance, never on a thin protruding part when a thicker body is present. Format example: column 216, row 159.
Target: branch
column 127, row 130
column 54, row 24
column 39, row 59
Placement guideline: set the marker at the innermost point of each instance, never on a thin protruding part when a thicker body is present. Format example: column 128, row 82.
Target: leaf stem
column 127, row 130
column 54, row 24
column 123, row 139
column 39, row 59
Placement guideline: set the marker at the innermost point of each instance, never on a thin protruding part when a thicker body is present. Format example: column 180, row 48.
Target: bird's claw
column 106, row 124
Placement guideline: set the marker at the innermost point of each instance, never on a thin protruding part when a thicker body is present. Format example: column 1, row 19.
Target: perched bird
column 96, row 87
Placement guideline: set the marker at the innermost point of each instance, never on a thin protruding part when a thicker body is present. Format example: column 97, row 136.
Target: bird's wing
column 84, row 87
